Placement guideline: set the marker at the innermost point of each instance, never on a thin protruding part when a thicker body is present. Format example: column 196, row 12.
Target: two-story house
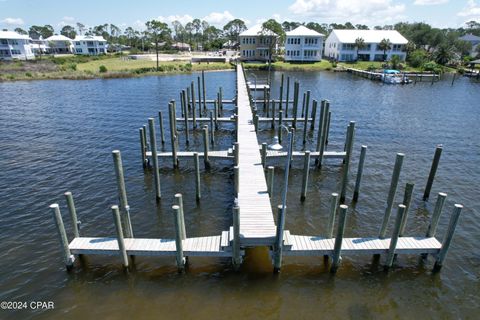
column 90, row 45
column 15, row 46
column 255, row 44
column 303, row 44
column 340, row 45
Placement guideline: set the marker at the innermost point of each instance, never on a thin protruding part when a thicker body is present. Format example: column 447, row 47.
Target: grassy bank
column 83, row 67
column 288, row 66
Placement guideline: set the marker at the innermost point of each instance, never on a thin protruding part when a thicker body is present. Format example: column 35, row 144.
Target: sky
column 57, row 13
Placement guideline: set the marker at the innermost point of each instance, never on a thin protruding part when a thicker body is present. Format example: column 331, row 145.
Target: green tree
column 274, row 35
column 20, row 31
column 361, row 27
column 80, row 27
column 35, row 32
column 233, row 29
column 68, row 31
column 395, row 61
column 359, row 44
column 317, row 27
column 158, row 31
column 385, row 45
column 443, row 54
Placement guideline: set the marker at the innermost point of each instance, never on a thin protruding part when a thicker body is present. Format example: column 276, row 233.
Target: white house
column 474, row 40
column 60, row 44
column 255, row 44
column 340, row 45
column 303, row 44
column 90, row 45
column 15, row 46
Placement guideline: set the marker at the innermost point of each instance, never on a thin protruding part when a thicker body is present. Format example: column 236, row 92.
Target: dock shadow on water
column 67, row 147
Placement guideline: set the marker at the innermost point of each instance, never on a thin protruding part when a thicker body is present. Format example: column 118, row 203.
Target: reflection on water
column 58, row 135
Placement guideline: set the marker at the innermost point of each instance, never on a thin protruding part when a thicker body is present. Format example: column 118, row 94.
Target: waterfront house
column 474, row 40
column 303, row 44
column 60, row 44
column 39, row 46
column 90, row 45
column 255, row 45
column 15, row 46
column 340, row 45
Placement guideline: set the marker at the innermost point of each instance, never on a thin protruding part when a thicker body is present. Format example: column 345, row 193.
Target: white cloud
column 429, row 2
column 139, row 24
column 68, row 19
column 370, row 12
column 470, row 11
column 219, row 18
column 13, row 21
column 169, row 19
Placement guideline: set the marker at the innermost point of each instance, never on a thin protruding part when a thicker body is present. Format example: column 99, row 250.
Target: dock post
column 331, row 217
column 321, row 121
column 270, row 175
column 121, row 244
column 432, row 228
column 314, row 114
column 221, row 98
column 236, row 178
column 178, row 238
column 264, row 155
column 303, row 104
column 391, row 193
column 122, row 192
column 205, row 147
column 204, row 91
column 322, row 135
column 287, row 97
column 273, row 115
column 236, row 153
column 182, row 109
column 280, row 120
column 156, row 167
column 255, row 122
column 185, row 103
column 277, row 260
column 160, row 123
column 194, row 111
column 215, row 105
column 407, row 200
column 199, row 98
column 188, row 103
column 173, row 134
column 179, row 203
column 236, row 259
column 145, row 141
column 342, row 219
column 306, row 168
column 296, row 89
column 433, row 171
column 73, row 214
column 197, row 176
column 358, row 180
column 143, row 149
column 395, row 235
column 305, row 118
column 280, row 107
column 448, row 237
column 348, row 155
column 212, row 129
column 67, row 255
column 328, row 125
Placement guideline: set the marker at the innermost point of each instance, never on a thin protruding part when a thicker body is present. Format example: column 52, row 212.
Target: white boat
column 391, row 76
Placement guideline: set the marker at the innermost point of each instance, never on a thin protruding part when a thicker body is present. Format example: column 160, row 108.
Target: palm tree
column 385, row 45
column 360, row 44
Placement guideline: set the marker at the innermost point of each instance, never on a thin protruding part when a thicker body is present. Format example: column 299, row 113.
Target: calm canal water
column 57, row 136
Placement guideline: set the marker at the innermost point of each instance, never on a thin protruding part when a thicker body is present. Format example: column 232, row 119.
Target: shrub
column 371, row 67
column 417, row 58
column 432, row 66
column 334, row 64
column 28, row 74
column 102, row 69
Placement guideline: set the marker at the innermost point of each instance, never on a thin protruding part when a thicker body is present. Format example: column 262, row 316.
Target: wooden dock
column 257, row 227
column 252, row 214
column 415, row 77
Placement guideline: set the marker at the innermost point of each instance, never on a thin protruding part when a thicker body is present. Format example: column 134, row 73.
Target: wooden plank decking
column 257, row 227
column 297, row 245
column 201, row 246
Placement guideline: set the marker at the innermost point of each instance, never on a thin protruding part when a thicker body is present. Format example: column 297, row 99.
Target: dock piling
column 348, row 155
column 143, row 149
column 194, row 111
column 432, row 228
column 236, row 178
column 287, row 97
column 280, row 120
column 305, row 123
column 337, row 248
column 178, row 238
column 296, row 89
column 433, row 171
column 122, row 191
column 306, row 168
column 121, row 244
column 448, row 237
column 179, row 203
column 407, row 200
column 198, row 194
column 156, row 167
column 395, row 235
column 314, row 114
column 204, row 90
column 331, row 217
column 73, row 214
column 358, row 180
column 236, row 259
column 160, row 123
column 270, row 175
column 264, row 155
column 277, row 260
column 205, row 147
column 173, row 134
column 212, row 129
column 57, row 217
column 280, row 107
column 391, row 193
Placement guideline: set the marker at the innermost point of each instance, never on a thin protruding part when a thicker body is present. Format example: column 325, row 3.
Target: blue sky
column 439, row 13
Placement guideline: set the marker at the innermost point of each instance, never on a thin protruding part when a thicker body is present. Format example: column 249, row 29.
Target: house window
column 16, row 52
column 90, row 43
column 4, row 41
column 79, row 50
